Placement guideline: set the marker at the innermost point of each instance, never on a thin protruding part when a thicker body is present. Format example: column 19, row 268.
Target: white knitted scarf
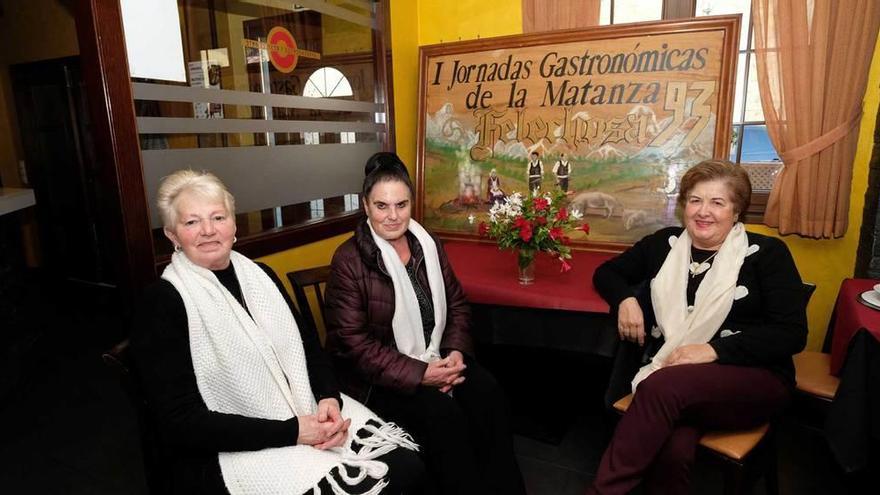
column 407, row 320
column 254, row 365
column 712, row 302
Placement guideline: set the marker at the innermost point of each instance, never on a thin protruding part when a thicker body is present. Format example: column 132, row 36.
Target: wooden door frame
column 111, row 105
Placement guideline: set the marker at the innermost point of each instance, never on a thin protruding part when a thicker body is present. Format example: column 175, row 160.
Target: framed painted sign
column 614, row 115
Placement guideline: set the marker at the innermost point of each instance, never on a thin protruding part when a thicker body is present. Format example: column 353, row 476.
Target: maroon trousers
column 656, row 439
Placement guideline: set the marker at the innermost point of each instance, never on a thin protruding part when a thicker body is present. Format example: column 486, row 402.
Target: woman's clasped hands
column 445, row 373
column 325, row 429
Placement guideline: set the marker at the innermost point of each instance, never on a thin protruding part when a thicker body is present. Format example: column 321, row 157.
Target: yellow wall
column 413, row 23
column 299, row 258
column 426, row 22
column 444, row 21
column 405, row 62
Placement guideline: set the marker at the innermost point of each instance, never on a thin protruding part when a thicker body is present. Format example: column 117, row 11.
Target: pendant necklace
column 698, row 268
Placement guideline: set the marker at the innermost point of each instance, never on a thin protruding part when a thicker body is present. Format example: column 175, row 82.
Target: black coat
column 360, row 307
column 190, row 435
column 766, row 327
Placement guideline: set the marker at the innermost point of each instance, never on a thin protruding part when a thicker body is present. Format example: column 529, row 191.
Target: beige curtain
column 550, row 15
column 813, row 59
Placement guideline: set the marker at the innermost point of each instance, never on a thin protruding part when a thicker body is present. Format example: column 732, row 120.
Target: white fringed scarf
column 407, row 320
column 254, row 365
column 712, row 302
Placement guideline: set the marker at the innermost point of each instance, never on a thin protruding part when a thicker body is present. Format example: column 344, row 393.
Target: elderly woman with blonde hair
column 244, row 398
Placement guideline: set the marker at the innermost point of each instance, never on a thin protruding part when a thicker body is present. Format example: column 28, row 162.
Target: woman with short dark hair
column 717, row 313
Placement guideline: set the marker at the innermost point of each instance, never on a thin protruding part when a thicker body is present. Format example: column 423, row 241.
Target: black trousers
column 534, row 183
column 563, row 183
column 465, row 439
column 656, row 440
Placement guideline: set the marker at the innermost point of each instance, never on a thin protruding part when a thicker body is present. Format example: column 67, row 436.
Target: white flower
column 576, row 214
column 515, row 199
column 549, row 199
column 471, row 218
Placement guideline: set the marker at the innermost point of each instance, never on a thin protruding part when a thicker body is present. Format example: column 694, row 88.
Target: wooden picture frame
column 631, row 107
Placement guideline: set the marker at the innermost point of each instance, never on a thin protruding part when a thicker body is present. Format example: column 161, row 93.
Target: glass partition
column 284, row 101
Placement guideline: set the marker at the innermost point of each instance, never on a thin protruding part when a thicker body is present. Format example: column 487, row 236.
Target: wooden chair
column 813, row 374
column 816, row 386
column 744, row 455
column 118, row 359
column 311, row 277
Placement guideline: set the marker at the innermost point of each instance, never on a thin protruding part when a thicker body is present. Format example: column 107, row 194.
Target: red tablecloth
column 489, row 276
column 851, row 317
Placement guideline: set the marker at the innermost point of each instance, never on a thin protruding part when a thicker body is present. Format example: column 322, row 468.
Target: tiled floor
column 68, row 428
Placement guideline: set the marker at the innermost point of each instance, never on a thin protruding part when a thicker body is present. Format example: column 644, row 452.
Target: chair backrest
column 813, row 369
column 311, row 277
column 118, row 359
column 809, row 289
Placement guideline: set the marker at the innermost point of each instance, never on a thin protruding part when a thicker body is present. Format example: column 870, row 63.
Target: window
column 316, row 208
column 623, row 11
column 327, row 82
column 283, row 101
column 750, row 142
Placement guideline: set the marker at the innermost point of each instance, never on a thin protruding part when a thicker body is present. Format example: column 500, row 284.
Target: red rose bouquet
column 533, row 224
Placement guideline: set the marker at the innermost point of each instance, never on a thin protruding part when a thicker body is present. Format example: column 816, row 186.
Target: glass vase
column 526, row 264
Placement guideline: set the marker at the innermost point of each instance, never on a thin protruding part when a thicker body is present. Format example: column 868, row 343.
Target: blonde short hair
column 204, row 184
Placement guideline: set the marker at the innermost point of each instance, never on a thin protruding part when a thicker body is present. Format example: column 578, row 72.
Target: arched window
column 327, row 82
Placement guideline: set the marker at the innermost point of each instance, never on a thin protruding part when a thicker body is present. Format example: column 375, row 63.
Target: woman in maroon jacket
column 398, row 327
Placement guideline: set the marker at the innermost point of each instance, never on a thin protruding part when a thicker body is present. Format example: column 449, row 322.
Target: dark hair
column 734, row 175
column 385, row 167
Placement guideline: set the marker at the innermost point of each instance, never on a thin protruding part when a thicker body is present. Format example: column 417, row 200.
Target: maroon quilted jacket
column 359, row 308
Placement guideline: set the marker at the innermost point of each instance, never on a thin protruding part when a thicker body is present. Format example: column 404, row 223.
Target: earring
column 234, row 239
column 177, row 248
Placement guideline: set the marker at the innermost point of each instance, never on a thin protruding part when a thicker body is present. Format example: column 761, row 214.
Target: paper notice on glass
column 205, row 74
column 153, row 40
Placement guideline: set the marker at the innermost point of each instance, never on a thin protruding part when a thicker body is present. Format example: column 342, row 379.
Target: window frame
column 674, row 9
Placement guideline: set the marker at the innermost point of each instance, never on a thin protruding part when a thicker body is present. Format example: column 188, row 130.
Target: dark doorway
column 61, row 166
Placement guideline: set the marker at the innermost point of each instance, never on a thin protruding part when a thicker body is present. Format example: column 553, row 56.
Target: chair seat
column 623, row 404
column 735, row 444
column 813, row 372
